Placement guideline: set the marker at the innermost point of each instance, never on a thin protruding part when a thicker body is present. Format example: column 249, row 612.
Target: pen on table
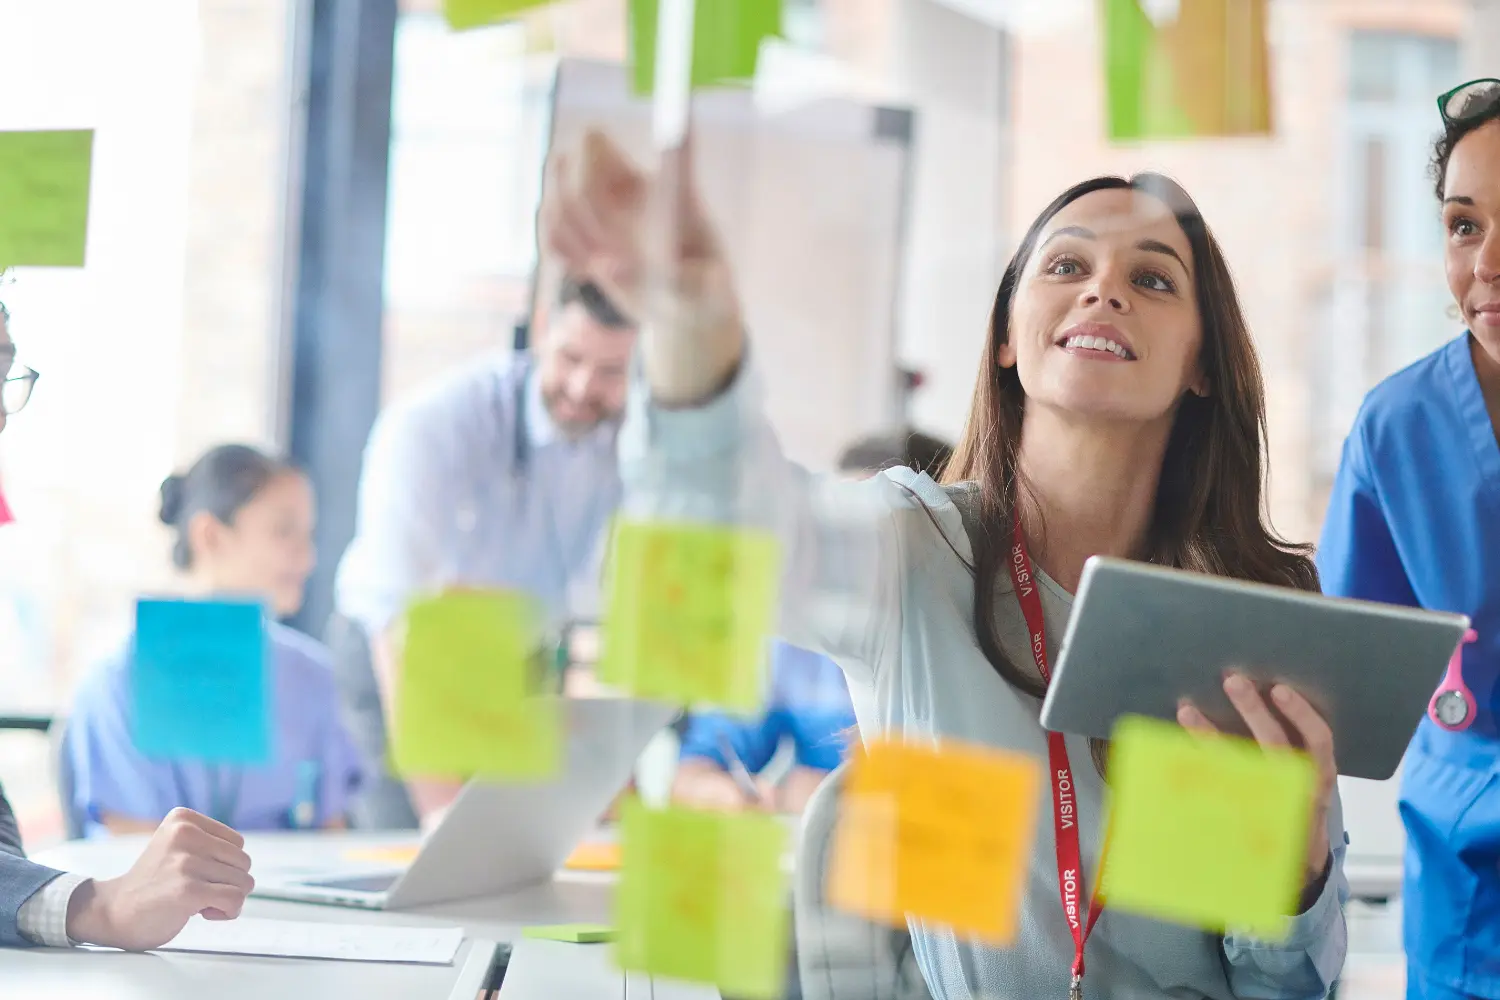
column 305, row 807
column 738, row 771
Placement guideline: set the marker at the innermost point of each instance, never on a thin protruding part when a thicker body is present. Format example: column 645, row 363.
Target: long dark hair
column 1210, row 501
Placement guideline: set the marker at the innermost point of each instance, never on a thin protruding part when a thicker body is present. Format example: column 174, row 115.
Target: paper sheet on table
column 304, row 939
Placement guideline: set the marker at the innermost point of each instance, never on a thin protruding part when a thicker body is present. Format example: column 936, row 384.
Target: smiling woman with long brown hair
column 1119, row 410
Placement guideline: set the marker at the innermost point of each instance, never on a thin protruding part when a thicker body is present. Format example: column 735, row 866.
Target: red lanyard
column 1064, row 803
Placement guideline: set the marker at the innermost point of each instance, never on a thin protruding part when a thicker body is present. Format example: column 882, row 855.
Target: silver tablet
column 1140, row 637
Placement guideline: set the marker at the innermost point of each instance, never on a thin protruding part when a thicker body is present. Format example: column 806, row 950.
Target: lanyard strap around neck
column 1064, row 797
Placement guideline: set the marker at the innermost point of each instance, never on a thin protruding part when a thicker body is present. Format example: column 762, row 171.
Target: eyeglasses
column 1469, row 100
column 15, row 391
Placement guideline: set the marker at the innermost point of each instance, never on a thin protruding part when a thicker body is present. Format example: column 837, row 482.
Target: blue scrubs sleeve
column 754, row 740
column 109, row 774
column 1357, row 556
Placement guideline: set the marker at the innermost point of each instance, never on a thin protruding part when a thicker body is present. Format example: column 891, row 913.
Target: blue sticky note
column 200, row 682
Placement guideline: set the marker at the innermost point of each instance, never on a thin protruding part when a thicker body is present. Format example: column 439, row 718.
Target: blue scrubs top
column 1415, row 519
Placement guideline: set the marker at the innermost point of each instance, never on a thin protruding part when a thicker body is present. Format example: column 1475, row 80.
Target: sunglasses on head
column 1469, row 100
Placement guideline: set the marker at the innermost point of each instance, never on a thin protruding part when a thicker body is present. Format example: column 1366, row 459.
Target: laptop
column 499, row 837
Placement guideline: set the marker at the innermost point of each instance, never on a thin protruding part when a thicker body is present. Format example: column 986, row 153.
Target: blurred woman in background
column 243, row 526
column 1415, row 519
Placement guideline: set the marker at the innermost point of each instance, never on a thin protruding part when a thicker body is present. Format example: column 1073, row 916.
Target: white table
column 538, row 969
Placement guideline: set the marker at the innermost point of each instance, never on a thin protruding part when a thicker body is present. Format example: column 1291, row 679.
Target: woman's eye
column 1065, row 267
column 1155, row 282
column 1463, row 228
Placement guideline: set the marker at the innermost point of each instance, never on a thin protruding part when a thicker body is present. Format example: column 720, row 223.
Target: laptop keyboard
column 366, row 883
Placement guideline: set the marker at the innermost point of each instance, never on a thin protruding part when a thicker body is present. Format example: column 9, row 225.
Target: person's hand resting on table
column 191, row 865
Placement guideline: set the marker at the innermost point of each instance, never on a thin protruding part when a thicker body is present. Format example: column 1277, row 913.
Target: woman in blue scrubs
column 1415, row 519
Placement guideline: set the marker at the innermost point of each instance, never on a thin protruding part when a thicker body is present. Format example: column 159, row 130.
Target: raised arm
column 697, row 445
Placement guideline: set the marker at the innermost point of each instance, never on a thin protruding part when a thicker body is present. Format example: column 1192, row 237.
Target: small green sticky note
column 1203, row 71
column 1211, row 831
column 572, row 933
column 464, row 14
column 689, row 609
column 702, row 897
column 465, row 701
column 44, row 197
column 726, row 40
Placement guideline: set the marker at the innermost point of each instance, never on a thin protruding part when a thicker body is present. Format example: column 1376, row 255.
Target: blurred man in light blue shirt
column 502, row 474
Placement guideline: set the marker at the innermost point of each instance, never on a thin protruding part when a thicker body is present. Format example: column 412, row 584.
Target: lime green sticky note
column 1202, row 69
column 1211, row 832
column 688, row 612
column 465, row 700
column 726, row 40
column 572, row 933
column 463, row 14
column 702, row 897
column 44, row 197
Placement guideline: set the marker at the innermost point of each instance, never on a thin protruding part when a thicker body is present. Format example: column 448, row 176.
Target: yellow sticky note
column 403, row 855
column 44, row 197
column 594, row 857
column 941, row 833
column 702, row 897
column 464, row 14
column 1211, row 832
column 465, row 702
column 1184, row 68
column 689, row 610
column 726, row 40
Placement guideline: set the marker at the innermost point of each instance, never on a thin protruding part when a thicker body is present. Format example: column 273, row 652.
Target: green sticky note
column 688, row 612
column 702, row 897
column 466, row 700
column 1202, row 71
column 1211, row 832
column 44, row 197
column 572, row 933
column 726, row 40
column 463, row 14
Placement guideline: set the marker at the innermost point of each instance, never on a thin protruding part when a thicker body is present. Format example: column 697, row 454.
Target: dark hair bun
column 171, row 499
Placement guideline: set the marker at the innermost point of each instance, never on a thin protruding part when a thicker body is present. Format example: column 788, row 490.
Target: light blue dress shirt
column 871, row 582
column 1414, row 519
column 470, row 483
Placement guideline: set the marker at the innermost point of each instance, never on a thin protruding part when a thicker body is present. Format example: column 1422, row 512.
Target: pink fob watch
column 1453, row 707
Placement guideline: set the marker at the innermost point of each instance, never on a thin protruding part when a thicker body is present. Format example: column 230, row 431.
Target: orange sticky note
column 940, row 833
column 594, row 857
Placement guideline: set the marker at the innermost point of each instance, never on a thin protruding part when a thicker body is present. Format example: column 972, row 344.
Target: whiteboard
column 811, row 205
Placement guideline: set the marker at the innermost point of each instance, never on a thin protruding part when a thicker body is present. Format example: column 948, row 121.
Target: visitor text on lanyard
column 1064, row 798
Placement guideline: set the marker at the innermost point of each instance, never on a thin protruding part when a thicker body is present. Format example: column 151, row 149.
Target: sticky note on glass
column 688, row 612
column 702, row 897
column 464, row 14
column 572, row 933
column 941, row 833
column 200, row 682
column 1186, row 68
column 44, row 197
column 726, row 40
column 467, row 702
column 1209, row 832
